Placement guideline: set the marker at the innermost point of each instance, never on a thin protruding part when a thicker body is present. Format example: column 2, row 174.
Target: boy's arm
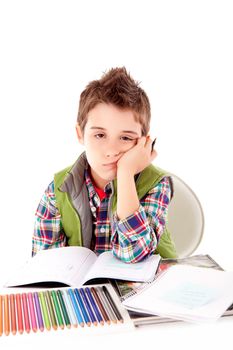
column 133, row 236
column 127, row 197
column 131, row 163
column 137, row 236
column 47, row 229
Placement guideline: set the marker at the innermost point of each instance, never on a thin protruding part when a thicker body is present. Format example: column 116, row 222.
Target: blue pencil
column 76, row 309
column 82, row 307
column 94, row 306
column 87, row 304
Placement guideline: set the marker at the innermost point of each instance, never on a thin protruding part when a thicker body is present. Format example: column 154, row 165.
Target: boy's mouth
column 110, row 165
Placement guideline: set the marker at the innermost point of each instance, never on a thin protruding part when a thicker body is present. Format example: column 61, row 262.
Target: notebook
column 126, row 289
column 186, row 293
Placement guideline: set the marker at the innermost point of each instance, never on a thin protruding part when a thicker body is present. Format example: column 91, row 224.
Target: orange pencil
column 6, row 316
column 13, row 314
column 19, row 313
column 25, row 313
column 1, row 319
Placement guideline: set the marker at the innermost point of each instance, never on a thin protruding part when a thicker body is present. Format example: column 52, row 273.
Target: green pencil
column 57, row 309
column 63, row 307
column 44, row 311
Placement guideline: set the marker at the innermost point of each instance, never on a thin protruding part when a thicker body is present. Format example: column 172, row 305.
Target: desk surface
column 169, row 336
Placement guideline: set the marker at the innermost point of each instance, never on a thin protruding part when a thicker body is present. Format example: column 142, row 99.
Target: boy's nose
column 112, row 154
column 111, row 150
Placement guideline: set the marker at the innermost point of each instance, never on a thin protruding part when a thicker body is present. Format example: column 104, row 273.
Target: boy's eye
column 99, row 136
column 126, row 138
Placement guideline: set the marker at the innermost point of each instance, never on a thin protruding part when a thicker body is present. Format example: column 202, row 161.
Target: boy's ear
column 79, row 133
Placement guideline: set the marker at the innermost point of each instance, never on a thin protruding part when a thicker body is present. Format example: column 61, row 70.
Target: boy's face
column 108, row 134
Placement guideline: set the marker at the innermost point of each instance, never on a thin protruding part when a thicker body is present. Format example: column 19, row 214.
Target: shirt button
column 102, row 230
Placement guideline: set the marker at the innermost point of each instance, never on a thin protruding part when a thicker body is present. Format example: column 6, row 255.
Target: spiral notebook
column 187, row 293
column 126, row 289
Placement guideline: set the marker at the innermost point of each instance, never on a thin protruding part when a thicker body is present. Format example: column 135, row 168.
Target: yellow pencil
column 44, row 311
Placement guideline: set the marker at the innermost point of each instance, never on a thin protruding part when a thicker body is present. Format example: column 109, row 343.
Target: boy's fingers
column 145, row 141
column 141, row 140
column 149, row 142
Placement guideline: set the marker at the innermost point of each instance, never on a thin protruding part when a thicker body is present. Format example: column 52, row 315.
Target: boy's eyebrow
column 127, row 131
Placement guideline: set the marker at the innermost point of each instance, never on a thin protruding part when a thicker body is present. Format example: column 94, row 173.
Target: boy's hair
column 118, row 88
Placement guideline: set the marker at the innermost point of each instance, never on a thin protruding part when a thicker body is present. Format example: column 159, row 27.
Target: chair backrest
column 185, row 218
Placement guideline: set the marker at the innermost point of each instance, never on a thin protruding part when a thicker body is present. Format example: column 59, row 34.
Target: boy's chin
column 109, row 177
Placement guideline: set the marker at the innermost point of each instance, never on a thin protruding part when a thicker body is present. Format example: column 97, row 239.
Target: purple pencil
column 38, row 312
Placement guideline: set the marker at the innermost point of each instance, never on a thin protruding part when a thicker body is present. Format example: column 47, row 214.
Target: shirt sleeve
column 48, row 232
column 137, row 236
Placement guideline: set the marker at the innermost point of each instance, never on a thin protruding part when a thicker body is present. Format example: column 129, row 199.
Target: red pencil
column 19, row 313
column 13, row 314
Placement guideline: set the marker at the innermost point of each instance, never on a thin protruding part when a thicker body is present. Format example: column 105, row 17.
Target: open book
column 74, row 266
column 185, row 293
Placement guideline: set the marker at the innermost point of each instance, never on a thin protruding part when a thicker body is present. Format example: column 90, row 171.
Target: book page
column 128, row 288
column 108, row 266
column 190, row 295
column 66, row 265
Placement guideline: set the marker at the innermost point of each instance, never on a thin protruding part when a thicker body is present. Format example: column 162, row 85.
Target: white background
column 182, row 53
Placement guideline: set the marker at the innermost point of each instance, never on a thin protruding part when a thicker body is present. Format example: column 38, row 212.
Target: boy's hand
column 138, row 157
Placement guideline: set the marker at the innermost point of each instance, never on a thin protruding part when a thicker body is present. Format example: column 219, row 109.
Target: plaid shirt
column 130, row 239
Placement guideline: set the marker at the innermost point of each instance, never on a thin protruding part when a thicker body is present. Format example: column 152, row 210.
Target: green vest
column 73, row 204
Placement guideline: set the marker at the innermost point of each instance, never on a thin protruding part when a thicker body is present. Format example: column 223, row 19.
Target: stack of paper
column 186, row 293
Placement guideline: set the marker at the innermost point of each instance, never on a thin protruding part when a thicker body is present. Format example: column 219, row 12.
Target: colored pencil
column 106, row 305
column 113, row 305
column 63, row 308
column 82, row 307
column 44, row 311
column 76, row 308
column 101, row 307
column 25, row 313
column 13, row 314
column 1, row 316
column 19, row 313
column 32, row 312
column 38, row 312
column 88, row 307
column 51, row 310
column 69, row 308
column 94, row 306
column 57, row 309
column 6, row 316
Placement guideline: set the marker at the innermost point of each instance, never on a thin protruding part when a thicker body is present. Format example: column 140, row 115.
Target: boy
column 112, row 197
